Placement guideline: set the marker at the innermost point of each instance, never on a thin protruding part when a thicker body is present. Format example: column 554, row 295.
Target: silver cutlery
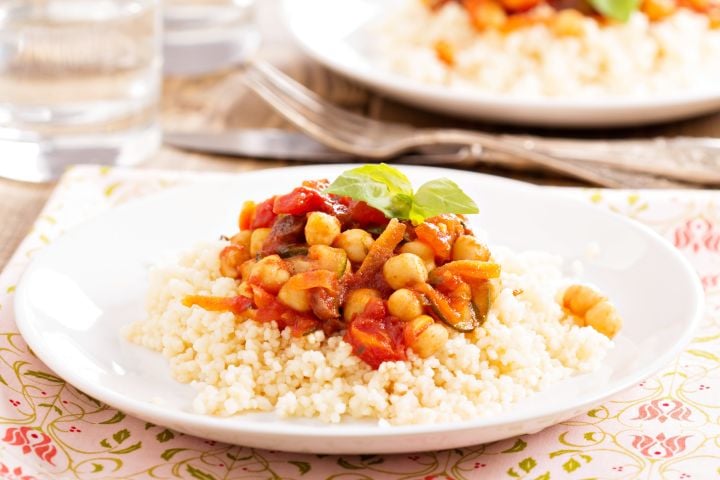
column 278, row 144
column 619, row 164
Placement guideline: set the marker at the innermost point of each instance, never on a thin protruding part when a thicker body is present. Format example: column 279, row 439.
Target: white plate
column 338, row 34
column 80, row 291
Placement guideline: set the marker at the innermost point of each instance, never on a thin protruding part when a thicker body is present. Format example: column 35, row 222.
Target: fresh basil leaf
column 401, row 205
column 389, row 190
column 396, row 181
column 380, row 186
column 360, row 187
column 440, row 196
column 616, row 9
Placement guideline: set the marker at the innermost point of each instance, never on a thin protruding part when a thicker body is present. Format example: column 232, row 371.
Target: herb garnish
column 389, row 190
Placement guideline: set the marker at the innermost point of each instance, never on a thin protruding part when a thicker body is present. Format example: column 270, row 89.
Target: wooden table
column 219, row 101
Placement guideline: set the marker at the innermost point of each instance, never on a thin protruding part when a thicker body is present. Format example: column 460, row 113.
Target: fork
column 358, row 135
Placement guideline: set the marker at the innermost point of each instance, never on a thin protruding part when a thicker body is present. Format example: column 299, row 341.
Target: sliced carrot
column 314, row 279
column 236, row 305
column 246, row 215
column 470, row 269
column 380, row 251
column 445, row 52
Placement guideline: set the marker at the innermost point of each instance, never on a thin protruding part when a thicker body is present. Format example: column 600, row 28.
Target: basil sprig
column 389, row 190
column 616, row 9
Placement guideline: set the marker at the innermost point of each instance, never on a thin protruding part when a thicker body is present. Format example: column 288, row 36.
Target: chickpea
column 242, row 239
column 328, row 258
column 270, row 273
column 257, row 239
column 422, row 250
column 299, row 264
column 321, row 229
column 425, row 336
column 245, row 290
column 592, row 309
column 298, row 300
column 231, row 259
column 356, row 243
column 431, row 340
column 246, row 268
column 604, row 318
column 467, row 247
column 405, row 305
column 357, row 300
column 581, row 298
column 404, row 270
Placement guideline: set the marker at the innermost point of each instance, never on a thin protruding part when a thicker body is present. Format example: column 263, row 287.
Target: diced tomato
column 261, row 297
column 236, row 305
column 361, row 214
column 325, row 305
column 264, row 216
column 376, row 337
column 271, row 312
column 302, row 200
column 270, row 309
column 300, row 324
column 246, row 215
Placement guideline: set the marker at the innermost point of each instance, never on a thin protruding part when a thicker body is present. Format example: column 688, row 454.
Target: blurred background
column 104, row 81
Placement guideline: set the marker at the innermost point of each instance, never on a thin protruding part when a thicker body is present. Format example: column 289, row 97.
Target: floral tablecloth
column 665, row 427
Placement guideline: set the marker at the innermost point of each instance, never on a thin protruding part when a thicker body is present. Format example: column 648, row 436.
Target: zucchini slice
column 288, row 251
column 481, row 301
column 457, row 312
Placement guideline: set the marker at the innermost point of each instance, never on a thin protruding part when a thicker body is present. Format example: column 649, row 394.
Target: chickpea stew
column 315, row 260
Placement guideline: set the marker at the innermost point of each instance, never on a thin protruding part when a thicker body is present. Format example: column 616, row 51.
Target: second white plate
column 339, row 35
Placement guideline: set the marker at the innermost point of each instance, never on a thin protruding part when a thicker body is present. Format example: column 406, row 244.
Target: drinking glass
column 79, row 83
column 203, row 36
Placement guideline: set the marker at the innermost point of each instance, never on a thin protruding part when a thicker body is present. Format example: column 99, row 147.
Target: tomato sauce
column 375, row 336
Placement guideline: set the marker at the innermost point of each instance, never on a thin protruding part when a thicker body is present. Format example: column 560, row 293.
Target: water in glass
column 79, row 82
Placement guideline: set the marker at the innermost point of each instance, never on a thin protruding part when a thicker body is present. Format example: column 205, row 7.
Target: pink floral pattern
column 31, row 440
column 665, row 427
column 660, row 446
column 697, row 234
column 663, row 409
column 13, row 474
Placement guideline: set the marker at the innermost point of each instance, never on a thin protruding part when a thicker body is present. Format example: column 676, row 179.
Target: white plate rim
column 34, row 339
